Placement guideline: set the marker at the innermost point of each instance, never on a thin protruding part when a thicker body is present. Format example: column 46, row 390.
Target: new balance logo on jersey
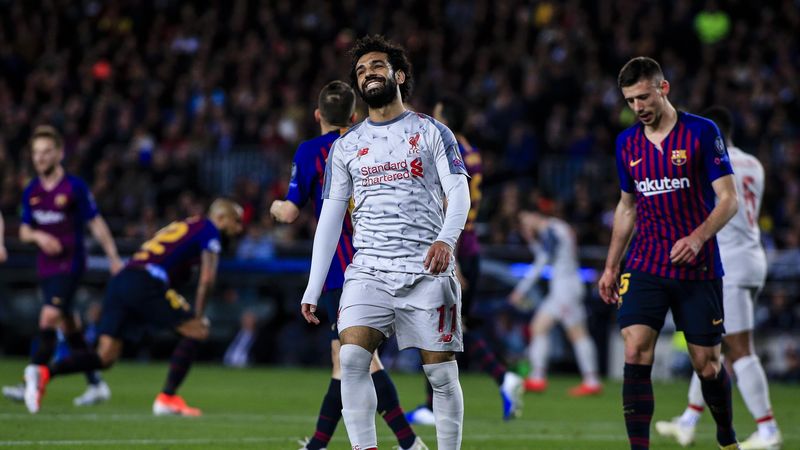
column 416, row 168
column 664, row 185
column 446, row 338
column 413, row 141
column 363, row 152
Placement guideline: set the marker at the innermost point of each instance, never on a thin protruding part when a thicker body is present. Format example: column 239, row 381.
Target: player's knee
column 638, row 354
column 708, row 371
column 353, row 358
column 49, row 318
column 442, row 376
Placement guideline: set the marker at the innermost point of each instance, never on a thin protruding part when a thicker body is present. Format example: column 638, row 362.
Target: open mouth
column 373, row 83
column 645, row 117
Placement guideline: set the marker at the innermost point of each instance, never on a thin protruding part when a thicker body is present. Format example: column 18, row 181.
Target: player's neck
column 388, row 112
column 49, row 181
column 327, row 128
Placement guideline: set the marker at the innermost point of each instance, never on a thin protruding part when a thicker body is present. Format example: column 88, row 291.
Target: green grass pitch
column 271, row 408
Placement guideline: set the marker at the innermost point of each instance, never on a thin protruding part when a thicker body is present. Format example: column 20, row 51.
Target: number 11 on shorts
column 442, row 310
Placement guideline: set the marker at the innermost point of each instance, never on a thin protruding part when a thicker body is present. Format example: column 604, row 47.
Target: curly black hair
column 396, row 55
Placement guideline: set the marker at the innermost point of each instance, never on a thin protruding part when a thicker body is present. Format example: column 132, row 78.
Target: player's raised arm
column 329, row 228
column 101, row 232
column 621, row 232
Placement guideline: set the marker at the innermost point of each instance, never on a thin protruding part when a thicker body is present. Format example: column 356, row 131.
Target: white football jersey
column 743, row 257
column 558, row 247
column 392, row 171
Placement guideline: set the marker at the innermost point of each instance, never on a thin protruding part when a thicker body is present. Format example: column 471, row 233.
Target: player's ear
column 400, row 77
column 353, row 117
column 664, row 87
column 317, row 115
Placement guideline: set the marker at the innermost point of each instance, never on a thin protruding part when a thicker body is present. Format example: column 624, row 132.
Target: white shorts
column 564, row 303
column 424, row 310
column 738, row 304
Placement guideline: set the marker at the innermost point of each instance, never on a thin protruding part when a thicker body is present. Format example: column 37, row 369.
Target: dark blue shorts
column 59, row 290
column 136, row 300
column 696, row 305
column 330, row 301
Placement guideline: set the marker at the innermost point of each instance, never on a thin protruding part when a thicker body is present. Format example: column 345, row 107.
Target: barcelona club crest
column 679, row 157
column 61, row 200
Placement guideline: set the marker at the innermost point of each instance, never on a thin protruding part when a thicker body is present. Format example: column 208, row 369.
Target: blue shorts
column 330, row 300
column 59, row 290
column 696, row 305
column 135, row 300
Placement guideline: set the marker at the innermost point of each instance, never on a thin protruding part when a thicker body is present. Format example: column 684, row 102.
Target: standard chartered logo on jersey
column 664, row 185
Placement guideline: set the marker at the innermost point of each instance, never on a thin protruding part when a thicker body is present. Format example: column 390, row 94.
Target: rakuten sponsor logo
column 664, row 185
column 45, row 217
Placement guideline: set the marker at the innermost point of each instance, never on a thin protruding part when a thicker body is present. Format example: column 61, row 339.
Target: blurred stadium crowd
column 148, row 94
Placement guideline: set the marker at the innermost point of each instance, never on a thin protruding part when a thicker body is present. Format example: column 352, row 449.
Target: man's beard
column 379, row 98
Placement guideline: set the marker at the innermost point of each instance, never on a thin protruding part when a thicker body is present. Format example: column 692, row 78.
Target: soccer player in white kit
column 745, row 271
column 553, row 242
column 399, row 168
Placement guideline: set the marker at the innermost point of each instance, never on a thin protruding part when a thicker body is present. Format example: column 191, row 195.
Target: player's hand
column 48, row 243
column 275, row 211
column 438, row 258
column 115, row 265
column 685, row 250
column 3, row 254
column 516, row 298
column 609, row 286
column 308, row 310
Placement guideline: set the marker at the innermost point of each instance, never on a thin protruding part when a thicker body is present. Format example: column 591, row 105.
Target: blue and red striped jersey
column 308, row 171
column 62, row 212
column 673, row 193
column 177, row 247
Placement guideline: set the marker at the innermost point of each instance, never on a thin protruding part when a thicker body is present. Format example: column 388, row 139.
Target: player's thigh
column 428, row 314
column 366, row 301
column 116, row 318
column 738, row 307
column 330, row 301
column 698, row 310
column 58, row 292
column 644, row 300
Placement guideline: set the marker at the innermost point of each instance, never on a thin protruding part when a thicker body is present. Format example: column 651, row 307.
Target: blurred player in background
column 745, row 265
column 399, row 167
column 335, row 113
column 142, row 293
column 56, row 207
column 670, row 165
column 452, row 112
column 553, row 242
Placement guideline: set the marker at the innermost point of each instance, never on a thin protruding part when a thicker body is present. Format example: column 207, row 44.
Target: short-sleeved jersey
column 468, row 244
column 62, row 212
column 740, row 239
column 393, row 170
column 177, row 247
column 308, row 172
column 673, row 193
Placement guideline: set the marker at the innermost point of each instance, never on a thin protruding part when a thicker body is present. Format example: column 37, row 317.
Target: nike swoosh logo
column 635, row 163
column 716, row 322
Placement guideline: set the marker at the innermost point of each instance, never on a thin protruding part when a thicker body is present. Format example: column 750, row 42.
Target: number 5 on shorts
column 442, row 310
column 624, row 283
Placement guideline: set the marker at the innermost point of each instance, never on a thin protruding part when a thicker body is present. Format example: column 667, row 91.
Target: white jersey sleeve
column 739, row 240
column 338, row 185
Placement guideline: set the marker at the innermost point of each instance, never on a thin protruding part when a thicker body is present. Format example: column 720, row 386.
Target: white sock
column 752, row 383
column 359, row 401
column 586, row 354
column 697, row 403
column 537, row 353
column 448, row 403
